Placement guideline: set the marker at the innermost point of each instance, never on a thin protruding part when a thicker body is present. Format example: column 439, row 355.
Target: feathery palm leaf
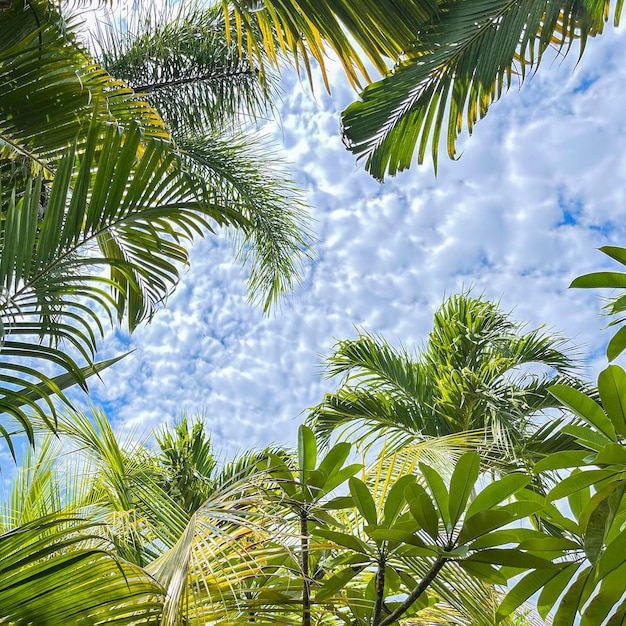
column 461, row 60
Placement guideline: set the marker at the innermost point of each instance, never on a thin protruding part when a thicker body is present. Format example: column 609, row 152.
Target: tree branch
column 417, row 592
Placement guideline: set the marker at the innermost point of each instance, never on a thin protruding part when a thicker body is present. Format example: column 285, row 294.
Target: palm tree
column 99, row 206
column 477, row 374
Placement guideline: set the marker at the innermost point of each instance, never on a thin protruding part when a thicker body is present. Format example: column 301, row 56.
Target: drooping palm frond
column 461, row 61
column 51, row 89
column 357, row 32
column 209, row 90
column 122, row 208
column 180, row 60
column 58, row 570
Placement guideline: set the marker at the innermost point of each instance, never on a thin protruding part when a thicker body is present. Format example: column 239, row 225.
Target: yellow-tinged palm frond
column 51, row 89
column 121, row 208
column 59, row 570
column 457, row 65
column 381, row 30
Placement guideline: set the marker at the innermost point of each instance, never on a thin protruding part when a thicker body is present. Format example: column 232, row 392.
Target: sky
column 539, row 187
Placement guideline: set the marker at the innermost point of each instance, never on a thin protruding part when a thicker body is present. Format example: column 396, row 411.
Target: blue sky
column 539, row 187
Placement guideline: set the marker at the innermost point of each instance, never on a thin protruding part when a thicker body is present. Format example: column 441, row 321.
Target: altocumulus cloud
column 539, row 187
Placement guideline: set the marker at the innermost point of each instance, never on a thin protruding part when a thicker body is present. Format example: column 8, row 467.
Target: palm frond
column 458, row 64
column 175, row 56
column 57, row 570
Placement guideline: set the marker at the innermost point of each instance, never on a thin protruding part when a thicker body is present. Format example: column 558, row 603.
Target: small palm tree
column 477, row 373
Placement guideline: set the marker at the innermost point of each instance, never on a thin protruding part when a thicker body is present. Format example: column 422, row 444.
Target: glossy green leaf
column 363, row 500
column 578, row 481
column 343, row 539
column 524, row 589
column 422, row 509
column 612, row 388
column 395, row 501
column 439, row 492
column 462, row 483
column 595, row 280
column 582, row 405
column 564, row 459
column 307, row 451
column 336, row 583
column 617, row 344
column 570, row 604
column 497, row 491
column 554, row 587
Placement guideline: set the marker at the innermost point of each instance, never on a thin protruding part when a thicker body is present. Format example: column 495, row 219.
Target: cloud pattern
column 538, row 188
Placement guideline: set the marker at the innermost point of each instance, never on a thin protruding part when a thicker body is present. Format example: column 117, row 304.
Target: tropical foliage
column 470, row 505
column 443, row 63
column 478, row 373
column 100, row 201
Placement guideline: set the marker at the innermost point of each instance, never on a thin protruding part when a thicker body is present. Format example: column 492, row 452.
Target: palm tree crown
column 477, row 372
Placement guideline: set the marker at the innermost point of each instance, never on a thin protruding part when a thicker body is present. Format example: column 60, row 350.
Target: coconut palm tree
column 477, row 373
column 99, row 206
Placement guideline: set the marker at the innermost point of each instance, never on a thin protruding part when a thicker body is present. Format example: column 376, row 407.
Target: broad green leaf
column 422, row 509
column 343, row 539
column 482, row 523
column 396, row 500
column 562, row 460
column 613, row 557
column 612, row 388
column 335, row 458
column 461, row 484
column 617, row 344
column 578, row 500
column 336, row 583
column 339, row 477
column 494, row 539
column 569, row 605
column 554, row 587
column 548, row 544
column 579, row 481
column 281, row 473
column 363, row 500
column 379, row 533
column 439, row 492
column 582, row 405
column 617, row 619
column 524, row 589
column 605, row 598
column 483, row 571
column 611, row 454
column 511, row 557
column 617, row 253
column 497, row 491
column 611, row 280
column 587, row 436
column 307, row 451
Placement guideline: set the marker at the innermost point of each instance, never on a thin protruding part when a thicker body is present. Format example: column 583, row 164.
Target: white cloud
column 540, row 185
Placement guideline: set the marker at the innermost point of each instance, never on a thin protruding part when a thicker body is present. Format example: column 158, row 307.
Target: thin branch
column 417, row 592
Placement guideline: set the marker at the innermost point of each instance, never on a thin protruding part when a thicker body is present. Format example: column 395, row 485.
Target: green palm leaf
column 458, row 64
column 57, row 570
